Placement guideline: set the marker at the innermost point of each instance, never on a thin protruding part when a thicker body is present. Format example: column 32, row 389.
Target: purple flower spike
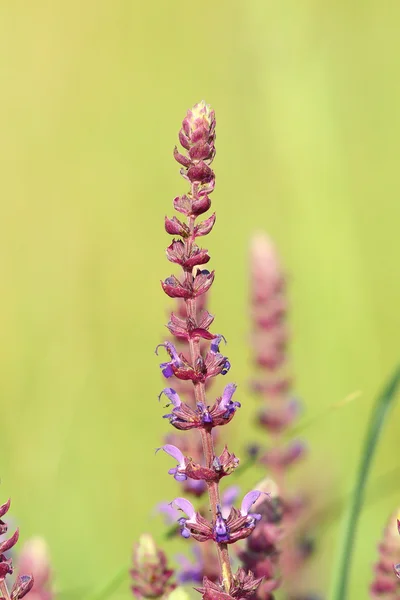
column 171, row 395
column 179, row 471
column 248, row 502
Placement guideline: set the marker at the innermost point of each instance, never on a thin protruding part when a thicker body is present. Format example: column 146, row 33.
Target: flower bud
column 151, row 577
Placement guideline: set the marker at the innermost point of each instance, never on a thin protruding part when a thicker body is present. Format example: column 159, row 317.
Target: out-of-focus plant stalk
column 273, row 385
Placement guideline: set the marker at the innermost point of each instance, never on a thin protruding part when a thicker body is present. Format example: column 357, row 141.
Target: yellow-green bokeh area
column 306, row 96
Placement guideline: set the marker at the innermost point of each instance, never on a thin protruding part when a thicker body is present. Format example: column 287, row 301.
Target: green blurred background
column 306, row 96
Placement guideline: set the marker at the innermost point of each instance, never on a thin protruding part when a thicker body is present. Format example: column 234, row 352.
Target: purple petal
column 214, row 347
column 185, row 532
column 169, row 512
column 227, row 394
column 172, row 396
column 221, row 531
column 248, row 501
column 172, row 351
column 174, row 452
column 230, row 495
column 167, row 370
column 185, row 506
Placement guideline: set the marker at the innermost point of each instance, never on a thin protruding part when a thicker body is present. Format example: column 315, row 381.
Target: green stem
column 342, row 571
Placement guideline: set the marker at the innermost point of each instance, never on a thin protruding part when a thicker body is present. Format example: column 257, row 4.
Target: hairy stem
column 206, row 435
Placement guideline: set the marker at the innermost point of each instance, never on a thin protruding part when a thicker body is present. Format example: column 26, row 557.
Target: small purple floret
column 205, row 413
column 220, row 528
column 172, row 396
column 226, row 400
column 214, row 346
column 248, row 501
column 178, row 471
column 185, row 506
column 167, row 367
column 167, row 370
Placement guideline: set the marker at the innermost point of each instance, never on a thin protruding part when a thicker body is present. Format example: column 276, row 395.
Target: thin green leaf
column 342, row 570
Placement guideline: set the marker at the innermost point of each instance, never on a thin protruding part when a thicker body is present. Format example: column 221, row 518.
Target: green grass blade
column 382, row 405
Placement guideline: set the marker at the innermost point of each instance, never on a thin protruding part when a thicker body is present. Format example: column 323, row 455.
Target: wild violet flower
column 386, row 583
column 23, row 583
column 202, row 359
column 273, row 384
